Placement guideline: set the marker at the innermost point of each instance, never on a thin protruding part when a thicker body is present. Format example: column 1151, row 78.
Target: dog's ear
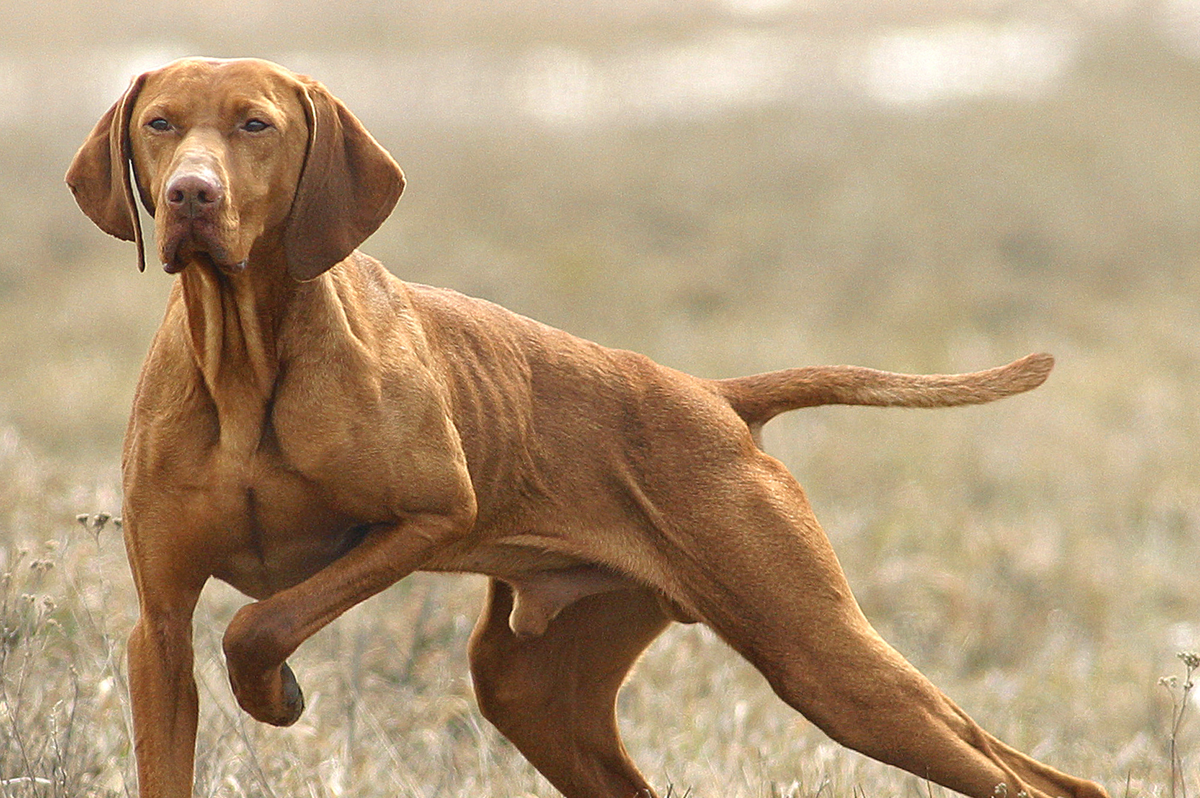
column 348, row 187
column 99, row 175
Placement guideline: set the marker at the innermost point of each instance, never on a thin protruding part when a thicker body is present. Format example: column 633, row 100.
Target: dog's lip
column 187, row 238
column 179, row 264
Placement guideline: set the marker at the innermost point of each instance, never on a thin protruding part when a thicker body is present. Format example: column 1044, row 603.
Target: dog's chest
column 270, row 528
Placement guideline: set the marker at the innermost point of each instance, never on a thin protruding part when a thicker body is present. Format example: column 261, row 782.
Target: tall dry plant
column 1180, row 693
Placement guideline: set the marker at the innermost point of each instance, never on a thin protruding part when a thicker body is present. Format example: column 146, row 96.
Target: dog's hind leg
column 776, row 593
column 554, row 695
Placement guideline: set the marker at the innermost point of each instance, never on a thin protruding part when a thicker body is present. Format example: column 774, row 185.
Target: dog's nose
column 195, row 193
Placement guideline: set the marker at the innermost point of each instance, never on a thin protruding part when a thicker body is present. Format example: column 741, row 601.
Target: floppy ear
column 99, row 175
column 348, row 186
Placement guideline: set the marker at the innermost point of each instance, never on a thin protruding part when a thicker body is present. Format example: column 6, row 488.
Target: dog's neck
column 233, row 323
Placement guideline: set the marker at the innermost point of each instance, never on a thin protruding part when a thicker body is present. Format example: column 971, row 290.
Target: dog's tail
column 760, row 397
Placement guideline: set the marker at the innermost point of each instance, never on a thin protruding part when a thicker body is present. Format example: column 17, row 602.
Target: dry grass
column 1037, row 558
column 390, row 707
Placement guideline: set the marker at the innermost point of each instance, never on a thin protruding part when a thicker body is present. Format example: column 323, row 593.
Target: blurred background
column 728, row 186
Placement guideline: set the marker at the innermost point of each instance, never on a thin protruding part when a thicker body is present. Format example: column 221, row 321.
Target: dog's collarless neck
column 232, row 325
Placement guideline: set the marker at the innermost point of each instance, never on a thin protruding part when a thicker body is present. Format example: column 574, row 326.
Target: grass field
column 1039, row 559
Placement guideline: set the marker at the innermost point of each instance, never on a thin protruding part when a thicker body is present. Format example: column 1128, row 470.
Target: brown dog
column 310, row 430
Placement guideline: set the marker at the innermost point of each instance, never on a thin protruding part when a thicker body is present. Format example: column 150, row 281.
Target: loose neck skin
column 233, row 323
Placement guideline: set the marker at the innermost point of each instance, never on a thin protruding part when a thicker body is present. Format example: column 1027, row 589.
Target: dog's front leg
column 163, row 692
column 264, row 634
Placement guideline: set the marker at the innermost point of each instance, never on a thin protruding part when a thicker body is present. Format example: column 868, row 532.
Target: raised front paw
column 273, row 697
column 262, row 681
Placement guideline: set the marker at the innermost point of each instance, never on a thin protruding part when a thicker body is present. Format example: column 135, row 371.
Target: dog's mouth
column 191, row 240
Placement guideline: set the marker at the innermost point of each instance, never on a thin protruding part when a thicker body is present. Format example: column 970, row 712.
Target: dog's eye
column 159, row 124
column 255, row 125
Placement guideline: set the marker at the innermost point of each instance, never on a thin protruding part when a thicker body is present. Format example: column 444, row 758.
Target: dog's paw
column 274, row 697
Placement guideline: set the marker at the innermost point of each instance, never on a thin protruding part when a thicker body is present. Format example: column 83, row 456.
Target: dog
column 310, row 429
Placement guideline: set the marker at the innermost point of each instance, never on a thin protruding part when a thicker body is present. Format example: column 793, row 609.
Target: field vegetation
column 1039, row 559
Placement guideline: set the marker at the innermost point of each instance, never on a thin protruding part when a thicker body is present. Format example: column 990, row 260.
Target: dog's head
column 233, row 155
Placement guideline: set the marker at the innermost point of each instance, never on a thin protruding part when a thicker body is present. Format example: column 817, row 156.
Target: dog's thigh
column 554, row 695
column 759, row 569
